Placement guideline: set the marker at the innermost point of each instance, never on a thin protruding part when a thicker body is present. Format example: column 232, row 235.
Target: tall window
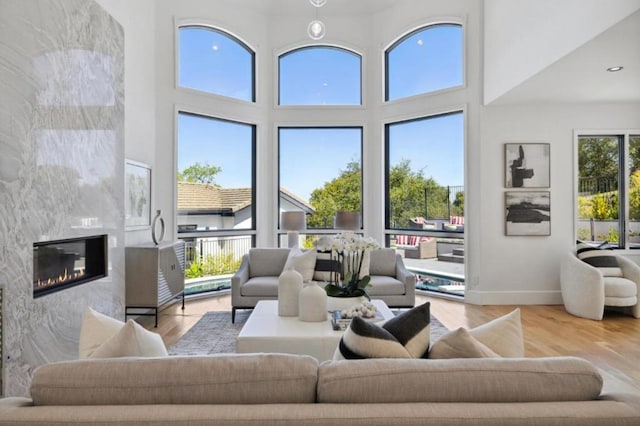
column 320, row 75
column 213, row 61
column 425, row 172
column 320, row 171
column 215, row 197
column 608, row 196
column 426, row 60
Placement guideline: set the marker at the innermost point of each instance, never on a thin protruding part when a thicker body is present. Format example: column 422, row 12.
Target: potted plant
column 350, row 251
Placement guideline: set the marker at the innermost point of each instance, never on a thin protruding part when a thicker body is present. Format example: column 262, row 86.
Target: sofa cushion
column 603, row 259
column 365, row 339
column 502, row 335
column 213, row 379
column 448, row 380
column 619, row 287
column 460, row 344
column 96, row 329
column 303, row 262
column 382, row 262
column 267, row 261
column 132, row 340
column 384, row 285
column 260, row 287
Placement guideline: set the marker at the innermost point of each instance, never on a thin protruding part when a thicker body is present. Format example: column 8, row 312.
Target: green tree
column 597, row 157
column 342, row 193
column 199, row 173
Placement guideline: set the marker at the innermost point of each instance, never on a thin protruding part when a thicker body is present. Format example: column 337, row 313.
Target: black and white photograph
column 528, row 213
column 527, row 165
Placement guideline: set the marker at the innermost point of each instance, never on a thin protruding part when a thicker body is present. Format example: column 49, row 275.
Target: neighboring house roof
column 210, row 199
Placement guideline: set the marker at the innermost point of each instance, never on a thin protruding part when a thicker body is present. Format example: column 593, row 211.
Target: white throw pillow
column 96, row 329
column 502, row 335
column 460, row 344
column 303, row 262
column 132, row 340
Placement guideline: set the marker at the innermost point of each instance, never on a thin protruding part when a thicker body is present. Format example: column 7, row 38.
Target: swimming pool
column 428, row 280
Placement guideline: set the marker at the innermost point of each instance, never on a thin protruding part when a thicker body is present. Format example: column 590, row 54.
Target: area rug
column 215, row 333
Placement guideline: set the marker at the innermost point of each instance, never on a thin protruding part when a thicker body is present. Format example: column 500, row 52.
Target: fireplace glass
column 61, row 264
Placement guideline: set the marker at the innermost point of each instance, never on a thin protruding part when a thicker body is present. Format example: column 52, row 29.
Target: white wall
column 136, row 17
column 526, row 270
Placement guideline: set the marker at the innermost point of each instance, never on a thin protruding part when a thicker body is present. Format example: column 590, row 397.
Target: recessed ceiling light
column 615, row 69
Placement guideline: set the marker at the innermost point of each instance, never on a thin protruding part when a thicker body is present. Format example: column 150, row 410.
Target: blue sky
column 209, row 61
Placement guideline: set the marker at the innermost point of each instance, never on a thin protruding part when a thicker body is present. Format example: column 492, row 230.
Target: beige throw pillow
column 303, row 262
column 460, row 344
column 502, row 335
column 95, row 330
column 132, row 340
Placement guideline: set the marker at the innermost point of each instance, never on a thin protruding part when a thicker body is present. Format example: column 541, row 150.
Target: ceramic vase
column 289, row 286
column 313, row 303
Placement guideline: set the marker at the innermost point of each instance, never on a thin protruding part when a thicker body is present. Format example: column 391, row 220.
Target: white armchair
column 586, row 291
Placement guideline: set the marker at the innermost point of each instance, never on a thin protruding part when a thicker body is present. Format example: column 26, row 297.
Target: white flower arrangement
column 349, row 249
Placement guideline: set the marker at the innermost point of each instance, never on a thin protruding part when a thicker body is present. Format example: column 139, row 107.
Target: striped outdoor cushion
column 603, row 259
column 402, row 240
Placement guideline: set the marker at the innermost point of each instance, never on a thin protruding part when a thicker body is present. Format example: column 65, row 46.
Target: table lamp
column 292, row 222
column 349, row 220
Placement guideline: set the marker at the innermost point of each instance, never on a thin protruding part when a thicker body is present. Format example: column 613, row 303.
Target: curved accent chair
column 587, row 289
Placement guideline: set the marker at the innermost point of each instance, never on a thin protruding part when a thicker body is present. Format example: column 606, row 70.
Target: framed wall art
column 527, row 213
column 527, row 165
column 137, row 197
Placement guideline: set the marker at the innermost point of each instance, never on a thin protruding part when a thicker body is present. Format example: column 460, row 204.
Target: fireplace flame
column 60, row 279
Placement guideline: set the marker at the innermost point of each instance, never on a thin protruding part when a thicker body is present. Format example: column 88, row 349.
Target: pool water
column 440, row 283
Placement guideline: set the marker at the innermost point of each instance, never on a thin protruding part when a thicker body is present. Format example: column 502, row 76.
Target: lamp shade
column 293, row 221
column 347, row 220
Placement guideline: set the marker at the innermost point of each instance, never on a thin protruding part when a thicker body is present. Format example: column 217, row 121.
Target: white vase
column 289, row 286
column 341, row 303
column 313, row 303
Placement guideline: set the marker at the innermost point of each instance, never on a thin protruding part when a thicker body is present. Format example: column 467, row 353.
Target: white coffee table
column 265, row 331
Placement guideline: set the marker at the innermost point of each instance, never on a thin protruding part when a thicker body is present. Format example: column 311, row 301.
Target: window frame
column 328, row 230
column 623, row 136
column 215, row 28
column 388, row 230
column 291, row 50
column 404, row 36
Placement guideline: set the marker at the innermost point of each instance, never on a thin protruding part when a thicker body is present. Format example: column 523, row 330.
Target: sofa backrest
column 382, row 262
column 213, row 379
column 458, row 380
column 267, row 262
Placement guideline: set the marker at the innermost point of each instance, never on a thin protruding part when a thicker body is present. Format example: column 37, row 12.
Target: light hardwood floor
column 612, row 344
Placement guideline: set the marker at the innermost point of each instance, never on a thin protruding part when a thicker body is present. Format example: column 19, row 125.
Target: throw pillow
column 364, row 339
column 303, row 262
column 132, row 340
column 95, row 330
column 603, row 259
column 502, row 335
column 412, row 329
column 460, row 344
column 326, row 269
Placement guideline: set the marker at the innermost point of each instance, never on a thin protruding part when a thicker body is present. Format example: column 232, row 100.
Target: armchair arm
column 239, row 278
column 631, row 270
column 582, row 288
column 403, row 275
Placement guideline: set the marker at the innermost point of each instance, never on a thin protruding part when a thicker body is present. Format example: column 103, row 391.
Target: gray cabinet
column 154, row 275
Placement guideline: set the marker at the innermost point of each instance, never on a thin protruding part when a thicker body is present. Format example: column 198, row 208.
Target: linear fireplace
column 61, row 264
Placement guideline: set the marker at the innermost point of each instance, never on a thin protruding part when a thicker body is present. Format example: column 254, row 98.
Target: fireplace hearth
column 61, row 264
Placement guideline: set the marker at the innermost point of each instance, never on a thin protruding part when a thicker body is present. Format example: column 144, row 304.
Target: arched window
column 320, row 75
column 213, row 61
column 426, row 60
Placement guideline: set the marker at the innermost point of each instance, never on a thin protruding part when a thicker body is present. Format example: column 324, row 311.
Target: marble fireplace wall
column 61, row 169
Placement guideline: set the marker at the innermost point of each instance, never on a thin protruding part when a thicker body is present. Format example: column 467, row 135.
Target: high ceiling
column 581, row 76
